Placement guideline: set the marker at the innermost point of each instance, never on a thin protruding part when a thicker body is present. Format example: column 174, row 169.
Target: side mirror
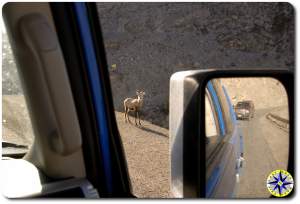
column 214, row 144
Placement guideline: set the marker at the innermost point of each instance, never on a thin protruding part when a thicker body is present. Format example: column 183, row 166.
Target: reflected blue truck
column 224, row 151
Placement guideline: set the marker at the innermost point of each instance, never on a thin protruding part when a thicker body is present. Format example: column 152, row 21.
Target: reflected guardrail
column 279, row 121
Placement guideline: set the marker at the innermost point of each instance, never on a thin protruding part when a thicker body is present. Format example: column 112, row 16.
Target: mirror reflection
column 247, row 135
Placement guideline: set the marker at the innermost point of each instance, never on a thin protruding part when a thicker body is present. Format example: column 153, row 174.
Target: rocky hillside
column 147, row 42
column 265, row 92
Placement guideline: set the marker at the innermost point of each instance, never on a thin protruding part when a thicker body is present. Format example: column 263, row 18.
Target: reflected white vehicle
column 244, row 110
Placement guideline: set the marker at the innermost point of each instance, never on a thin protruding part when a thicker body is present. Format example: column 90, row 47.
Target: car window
column 210, row 120
column 16, row 124
column 225, row 109
column 230, row 105
column 145, row 43
column 215, row 98
column 243, row 104
column 212, row 131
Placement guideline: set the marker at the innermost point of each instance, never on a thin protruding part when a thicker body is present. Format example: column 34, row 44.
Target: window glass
column 146, row 43
column 16, row 124
column 210, row 123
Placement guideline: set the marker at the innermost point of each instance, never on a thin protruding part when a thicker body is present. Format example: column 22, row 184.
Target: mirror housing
column 187, row 126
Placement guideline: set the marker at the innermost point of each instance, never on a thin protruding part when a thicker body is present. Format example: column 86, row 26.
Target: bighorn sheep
column 134, row 104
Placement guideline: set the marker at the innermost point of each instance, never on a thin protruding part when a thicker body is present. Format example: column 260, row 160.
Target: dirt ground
column 147, row 154
column 16, row 124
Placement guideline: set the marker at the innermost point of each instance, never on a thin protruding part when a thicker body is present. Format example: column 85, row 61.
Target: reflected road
column 265, row 150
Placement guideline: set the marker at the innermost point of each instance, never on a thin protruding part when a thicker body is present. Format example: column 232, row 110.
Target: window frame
column 69, row 37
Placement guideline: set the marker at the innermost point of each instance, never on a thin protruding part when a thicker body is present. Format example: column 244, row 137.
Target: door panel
column 237, row 136
column 225, row 184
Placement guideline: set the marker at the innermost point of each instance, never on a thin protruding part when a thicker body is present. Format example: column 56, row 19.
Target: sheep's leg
column 125, row 113
column 135, row 116
column 139, row 116
column 128, row 117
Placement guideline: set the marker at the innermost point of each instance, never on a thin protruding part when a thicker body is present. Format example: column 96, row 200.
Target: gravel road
column 262, row 140
column 16, row 125
column 147, row 153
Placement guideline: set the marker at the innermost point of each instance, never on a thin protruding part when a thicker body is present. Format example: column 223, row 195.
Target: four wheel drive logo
column 280, row 183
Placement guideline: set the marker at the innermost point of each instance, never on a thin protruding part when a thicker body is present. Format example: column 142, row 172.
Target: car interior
column 56, row 163
column 77, row 151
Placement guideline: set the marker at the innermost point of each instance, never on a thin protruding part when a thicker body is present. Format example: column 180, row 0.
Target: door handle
column 240, row 162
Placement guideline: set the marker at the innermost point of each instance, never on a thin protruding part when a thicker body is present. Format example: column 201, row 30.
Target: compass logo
column 280, row 183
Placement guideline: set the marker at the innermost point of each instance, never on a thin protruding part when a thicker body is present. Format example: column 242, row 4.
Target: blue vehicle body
column 225, row 150
column 96, row 88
